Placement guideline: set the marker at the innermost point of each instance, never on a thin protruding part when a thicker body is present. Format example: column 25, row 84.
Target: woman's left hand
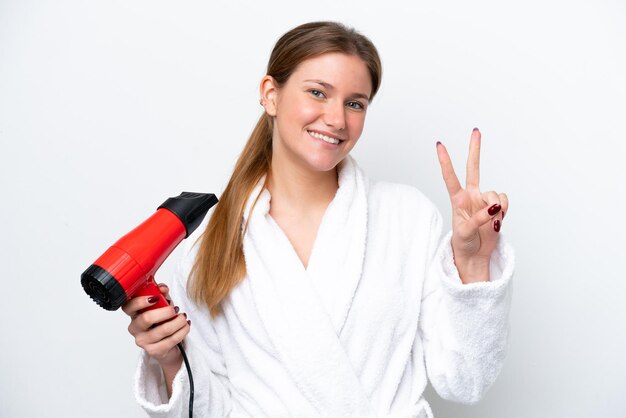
column 476, row 217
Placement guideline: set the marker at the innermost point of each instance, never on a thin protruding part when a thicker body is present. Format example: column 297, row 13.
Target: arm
column 464, row 327
column 466, row 294
column 169, row 372
column 163, row 390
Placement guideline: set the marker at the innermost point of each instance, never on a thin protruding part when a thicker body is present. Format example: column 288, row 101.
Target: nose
column 335, row 115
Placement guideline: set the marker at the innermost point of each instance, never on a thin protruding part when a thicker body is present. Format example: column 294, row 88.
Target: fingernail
column 185, row 314
column 438, row 143
column 153, row 299
column 189, row 321
column 475, row 129
column 503, row 212
column 176, row 309
column 496, row 225
column 494, row 209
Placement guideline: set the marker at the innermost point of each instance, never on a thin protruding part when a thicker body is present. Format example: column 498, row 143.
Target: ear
column 269, row 94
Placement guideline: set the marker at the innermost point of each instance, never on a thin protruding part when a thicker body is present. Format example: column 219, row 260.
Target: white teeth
column 324, row 137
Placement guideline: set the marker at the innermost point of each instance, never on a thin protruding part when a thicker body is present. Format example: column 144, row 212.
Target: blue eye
column 355, row 105
column 316, row 93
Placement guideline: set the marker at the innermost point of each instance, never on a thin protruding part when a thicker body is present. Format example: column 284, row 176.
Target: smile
column 324, row 138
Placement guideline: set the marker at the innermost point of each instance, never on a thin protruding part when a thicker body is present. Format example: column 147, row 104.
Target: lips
column 325, row 138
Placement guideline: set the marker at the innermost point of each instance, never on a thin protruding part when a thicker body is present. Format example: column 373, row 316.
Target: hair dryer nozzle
column 190, row 208
column 103, row 288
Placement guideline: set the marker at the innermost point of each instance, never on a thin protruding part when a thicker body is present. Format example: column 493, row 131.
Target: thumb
column 486, row 215
column 490, row 211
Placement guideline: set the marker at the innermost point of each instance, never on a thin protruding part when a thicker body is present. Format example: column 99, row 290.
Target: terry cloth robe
column 378, row 311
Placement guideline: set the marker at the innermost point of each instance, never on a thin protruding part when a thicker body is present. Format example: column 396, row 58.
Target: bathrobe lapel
column 336, row 261
column 303, row 311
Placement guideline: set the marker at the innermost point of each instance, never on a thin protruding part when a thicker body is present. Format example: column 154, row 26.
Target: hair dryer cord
column 182, row 351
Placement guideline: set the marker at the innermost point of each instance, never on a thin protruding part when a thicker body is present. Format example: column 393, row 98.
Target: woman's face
column 319, row 112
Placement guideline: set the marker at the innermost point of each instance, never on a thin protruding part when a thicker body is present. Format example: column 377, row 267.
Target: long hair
column 219, row 264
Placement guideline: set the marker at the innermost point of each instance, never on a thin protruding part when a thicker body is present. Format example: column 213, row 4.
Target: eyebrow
column 331, row 87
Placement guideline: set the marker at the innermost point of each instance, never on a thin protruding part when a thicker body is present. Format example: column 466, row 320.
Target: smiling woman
column 316, row 292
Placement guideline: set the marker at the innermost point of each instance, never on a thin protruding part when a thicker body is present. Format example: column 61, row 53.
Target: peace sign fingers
column 449, row 176
column 476, row 217
column 473, row 162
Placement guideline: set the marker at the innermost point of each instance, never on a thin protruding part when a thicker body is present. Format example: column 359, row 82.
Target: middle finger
column 472, row 176
column 146, row 320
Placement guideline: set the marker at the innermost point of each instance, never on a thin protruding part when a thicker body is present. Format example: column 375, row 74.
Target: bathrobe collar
column 304, row 310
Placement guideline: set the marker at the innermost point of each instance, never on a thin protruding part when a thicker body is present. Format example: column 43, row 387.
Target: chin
column 323, row 160
column 323, row 164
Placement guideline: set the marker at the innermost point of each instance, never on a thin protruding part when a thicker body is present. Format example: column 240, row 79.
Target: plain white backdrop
column 108, row 108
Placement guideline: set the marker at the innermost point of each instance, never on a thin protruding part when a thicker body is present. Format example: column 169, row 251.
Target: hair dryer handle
column 150, row 288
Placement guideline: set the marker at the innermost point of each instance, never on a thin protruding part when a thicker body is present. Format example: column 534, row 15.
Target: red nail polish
column 503, row 212
column 494, row 209
column 496, row 225
column 438, row 143
column 153, row 299
column 474, row 130
column 176, row 309
column 189, row 321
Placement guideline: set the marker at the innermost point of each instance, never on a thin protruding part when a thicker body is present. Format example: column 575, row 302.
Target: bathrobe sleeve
column 464, row 327
column 211, row 384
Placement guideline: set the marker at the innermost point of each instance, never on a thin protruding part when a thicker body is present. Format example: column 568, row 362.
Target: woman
column 315, row 292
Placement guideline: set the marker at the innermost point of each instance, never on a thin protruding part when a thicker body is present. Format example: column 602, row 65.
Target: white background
column 107, row 108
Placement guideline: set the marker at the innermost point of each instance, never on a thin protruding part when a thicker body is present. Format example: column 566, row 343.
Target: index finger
column 134, row 305
column 473, row 161
column 447, row 170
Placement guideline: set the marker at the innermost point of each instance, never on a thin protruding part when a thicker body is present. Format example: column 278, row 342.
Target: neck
column 300, row 189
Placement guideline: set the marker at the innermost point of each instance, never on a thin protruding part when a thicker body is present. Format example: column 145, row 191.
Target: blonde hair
column 219, row 264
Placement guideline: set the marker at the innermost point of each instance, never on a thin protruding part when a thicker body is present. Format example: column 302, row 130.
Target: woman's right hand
column 158, row 331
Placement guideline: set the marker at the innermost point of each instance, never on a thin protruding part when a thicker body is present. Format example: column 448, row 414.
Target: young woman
column 316, row 292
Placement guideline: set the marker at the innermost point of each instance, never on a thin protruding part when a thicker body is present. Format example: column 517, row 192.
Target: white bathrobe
column 378, row 311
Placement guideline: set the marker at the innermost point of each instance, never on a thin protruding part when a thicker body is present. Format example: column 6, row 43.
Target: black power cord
column 182, row 351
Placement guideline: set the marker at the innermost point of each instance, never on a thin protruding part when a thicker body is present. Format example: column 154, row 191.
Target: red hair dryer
column 127, row 268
